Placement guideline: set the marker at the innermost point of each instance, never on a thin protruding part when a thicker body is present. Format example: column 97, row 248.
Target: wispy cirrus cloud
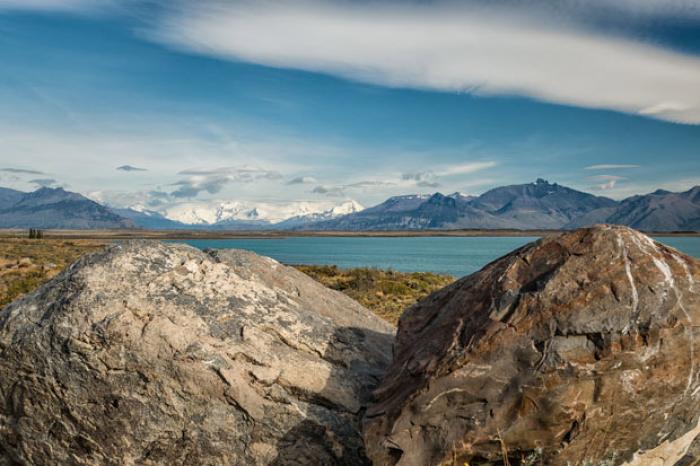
column 408, row 180
column 342, row 189
column 610, row 166
column 428, row 178
column 446, row 46
column 466, row 168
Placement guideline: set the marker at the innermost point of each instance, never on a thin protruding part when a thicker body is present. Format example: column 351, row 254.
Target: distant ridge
column 538, row 205
column 150, row 220
column 9, row 197
column 531, row 206
column 658, row 211
column 56, row 208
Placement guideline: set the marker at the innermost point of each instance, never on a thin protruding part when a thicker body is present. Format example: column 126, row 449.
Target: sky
column 156, row 103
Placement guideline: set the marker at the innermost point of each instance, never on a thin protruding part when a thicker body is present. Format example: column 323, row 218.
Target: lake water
column 457, row 256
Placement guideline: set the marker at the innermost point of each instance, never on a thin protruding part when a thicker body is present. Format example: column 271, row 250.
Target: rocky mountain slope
column 56, row 208
column 658, row 211
column 531, row 206
column 163, row 354
column 9, row 197
column 150, row 219
column 546, row 205
column 539, row 205
column 580, row 348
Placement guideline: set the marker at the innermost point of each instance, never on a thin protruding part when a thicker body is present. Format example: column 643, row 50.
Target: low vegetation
column 385, row 292
column 25, row 264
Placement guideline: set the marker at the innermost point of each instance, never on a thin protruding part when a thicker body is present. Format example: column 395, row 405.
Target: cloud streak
column 44, row 182
column 131, row 168
column 466, row 168
column 446, row 47
column 610, row 166
column 21, row 171
column 428, row 178
column 341, row 190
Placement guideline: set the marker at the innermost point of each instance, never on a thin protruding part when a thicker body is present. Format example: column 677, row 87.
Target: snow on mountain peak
column 349, row 207
column 209, row 213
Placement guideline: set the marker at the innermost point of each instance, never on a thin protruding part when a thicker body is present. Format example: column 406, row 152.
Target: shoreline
column 274, row 234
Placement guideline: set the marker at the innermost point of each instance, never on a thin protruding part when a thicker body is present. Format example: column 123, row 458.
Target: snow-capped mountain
column 346, row 208
column 205, row 213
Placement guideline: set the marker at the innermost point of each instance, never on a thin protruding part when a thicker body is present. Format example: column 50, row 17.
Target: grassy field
column 26, row 264
column 386, row 292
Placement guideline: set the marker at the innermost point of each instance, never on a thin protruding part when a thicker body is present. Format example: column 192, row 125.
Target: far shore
column 274, row 234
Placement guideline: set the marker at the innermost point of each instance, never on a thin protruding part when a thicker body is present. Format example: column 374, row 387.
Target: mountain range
column 538, row 205
column 259, row 214
column 56, row 208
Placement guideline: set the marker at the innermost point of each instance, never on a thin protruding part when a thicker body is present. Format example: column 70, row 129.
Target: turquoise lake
column 457, row 256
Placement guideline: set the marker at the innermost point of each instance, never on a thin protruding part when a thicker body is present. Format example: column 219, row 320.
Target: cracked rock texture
column 580, row 349
column 163, row 354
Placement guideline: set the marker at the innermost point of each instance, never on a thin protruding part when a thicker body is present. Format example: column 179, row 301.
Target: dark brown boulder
column 579, row 349
column 155, row 354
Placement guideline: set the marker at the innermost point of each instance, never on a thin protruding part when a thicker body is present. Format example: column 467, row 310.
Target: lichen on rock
column 152, row 353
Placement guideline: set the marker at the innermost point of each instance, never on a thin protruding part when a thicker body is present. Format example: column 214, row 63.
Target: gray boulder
column 150, row 353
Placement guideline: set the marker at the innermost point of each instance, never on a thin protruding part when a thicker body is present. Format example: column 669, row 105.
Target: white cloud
column 21, row 171
column 466, row 168
column 213, row 181
column 302, row 180
column 44, row 182
column 328, row 190
column 448, row 47
column 340, row 190
column 610, row 166
column 84, row 158
column 623, row 190
column 608, row 181
column 428, row 178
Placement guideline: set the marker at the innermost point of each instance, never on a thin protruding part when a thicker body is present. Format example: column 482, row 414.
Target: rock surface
column 580, row 349
column 163, row 354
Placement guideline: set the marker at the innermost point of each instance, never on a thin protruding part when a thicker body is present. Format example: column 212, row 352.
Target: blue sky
column 331, row 100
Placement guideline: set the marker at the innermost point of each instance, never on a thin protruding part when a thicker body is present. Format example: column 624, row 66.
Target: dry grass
column 26, row 264
column 385, row 292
